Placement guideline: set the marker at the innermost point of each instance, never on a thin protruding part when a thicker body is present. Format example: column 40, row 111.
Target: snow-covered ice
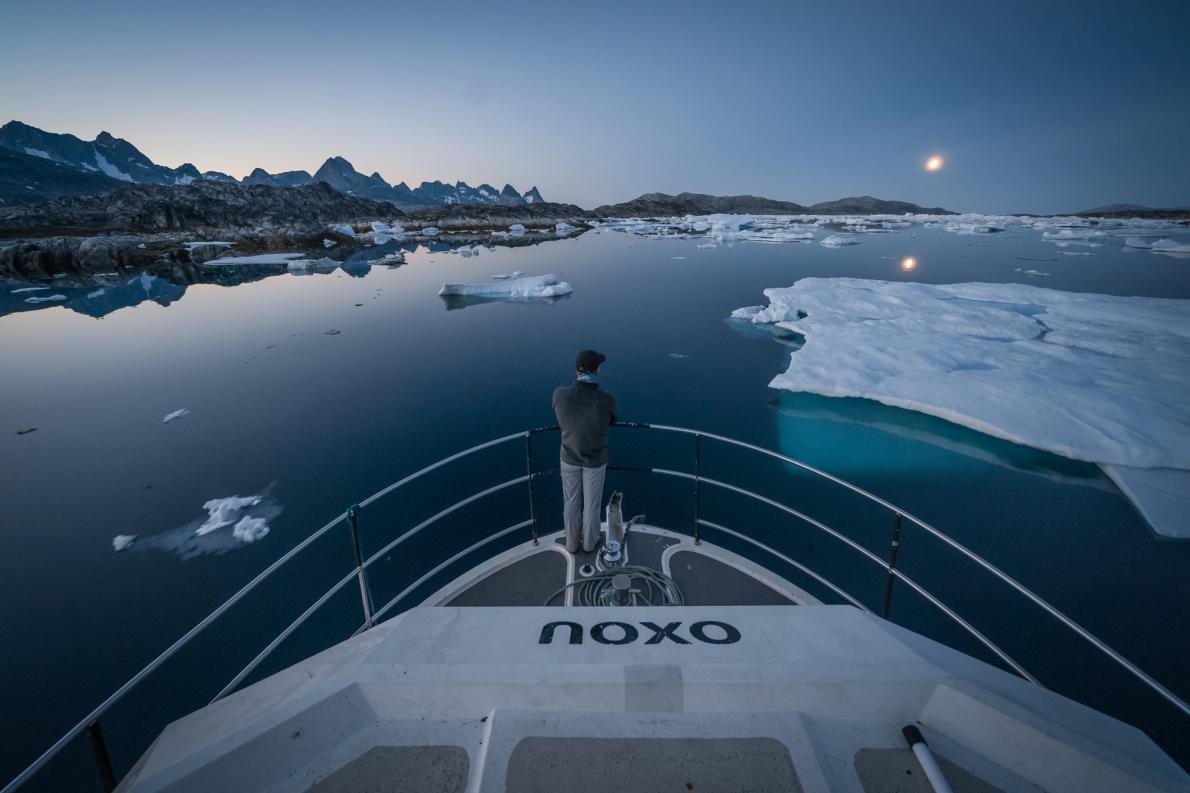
column 224, row 511
column 1090, row 377
column 259, row 258
column 530, row 286
column 121, row 542
column 250, row 529
column 177, row 414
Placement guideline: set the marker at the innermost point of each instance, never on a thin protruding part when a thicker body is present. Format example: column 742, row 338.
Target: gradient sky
column 1037, row 106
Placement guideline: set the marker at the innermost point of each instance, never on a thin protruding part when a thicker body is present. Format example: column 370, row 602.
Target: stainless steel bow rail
column 90, row 723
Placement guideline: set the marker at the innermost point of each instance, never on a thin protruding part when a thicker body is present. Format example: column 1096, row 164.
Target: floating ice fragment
column 1031, row 272
column 44, row 299
column 835, row 240
column 505, row 276
column 203, row 244
column 260, row 258
column 224, row 511
column 250, row 529
column 1092, row 377
column 1075, row 253
column 329, row 243
column 1169, row 246
column 531, row 286
column 564, row 228
column 346, row 231
column 122, row 541
column 177, row 414
column 678, row 355
column 516, row 229
column 677, row 258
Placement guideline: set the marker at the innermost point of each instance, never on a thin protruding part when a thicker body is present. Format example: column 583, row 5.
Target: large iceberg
column 1090, row 377
column 530, row 286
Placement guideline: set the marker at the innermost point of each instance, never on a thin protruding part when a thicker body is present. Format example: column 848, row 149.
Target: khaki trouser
column 582, row 492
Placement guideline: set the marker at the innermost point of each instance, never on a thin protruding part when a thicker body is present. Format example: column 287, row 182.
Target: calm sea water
column 314, row 421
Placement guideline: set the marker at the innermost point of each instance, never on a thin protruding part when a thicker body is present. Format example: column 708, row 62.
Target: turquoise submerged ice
column 1091, row 377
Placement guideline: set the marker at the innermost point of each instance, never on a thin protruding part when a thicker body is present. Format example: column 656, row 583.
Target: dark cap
column 589, row 360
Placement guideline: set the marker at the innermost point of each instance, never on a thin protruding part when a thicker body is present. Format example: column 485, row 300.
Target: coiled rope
column 653, row 588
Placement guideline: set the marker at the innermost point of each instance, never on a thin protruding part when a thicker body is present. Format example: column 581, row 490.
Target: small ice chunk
column 329, row 243
column 346, row 231
column 1031, row 272
column 678, row 355
column 380, row 227
column 516, row 229
column 177, row 414
column 250, row 529
column 1169, row 246
column 564, row 228
column 121, row 542
column 835, row 240
column 532, row 286
column 677, row 257
column 224, row 511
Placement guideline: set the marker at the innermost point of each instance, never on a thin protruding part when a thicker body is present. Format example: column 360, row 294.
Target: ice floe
column 248, row 518
column 329, row 243
column 1175, row 248
column 1090, row 377
column 177, row 414
column 836, row 240
column 259, row 258
column 1031, row 272
column 531, row 286
column 205, row 244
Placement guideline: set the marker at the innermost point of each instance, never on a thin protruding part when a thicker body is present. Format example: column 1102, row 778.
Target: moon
column 934, row 163
column 908, row 263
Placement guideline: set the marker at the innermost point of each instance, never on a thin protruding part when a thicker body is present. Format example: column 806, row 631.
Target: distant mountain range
column 37, row 166
column 662, row 204
column 1136, row 211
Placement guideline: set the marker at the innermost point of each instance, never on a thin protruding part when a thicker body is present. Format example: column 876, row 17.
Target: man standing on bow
column 585, row 413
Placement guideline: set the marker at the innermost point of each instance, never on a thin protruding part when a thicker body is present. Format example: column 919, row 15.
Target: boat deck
column 539, row 575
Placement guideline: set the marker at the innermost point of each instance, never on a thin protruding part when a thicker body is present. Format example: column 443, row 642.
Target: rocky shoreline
column 148, row 226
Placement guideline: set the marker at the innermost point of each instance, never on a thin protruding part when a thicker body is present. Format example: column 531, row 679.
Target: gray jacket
column 585, row 414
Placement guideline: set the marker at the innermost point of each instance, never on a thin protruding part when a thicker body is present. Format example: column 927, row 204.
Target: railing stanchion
column 365, row 594
column 529, row 473
column 99, row 748
column 892, row 564
column 697, row 494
